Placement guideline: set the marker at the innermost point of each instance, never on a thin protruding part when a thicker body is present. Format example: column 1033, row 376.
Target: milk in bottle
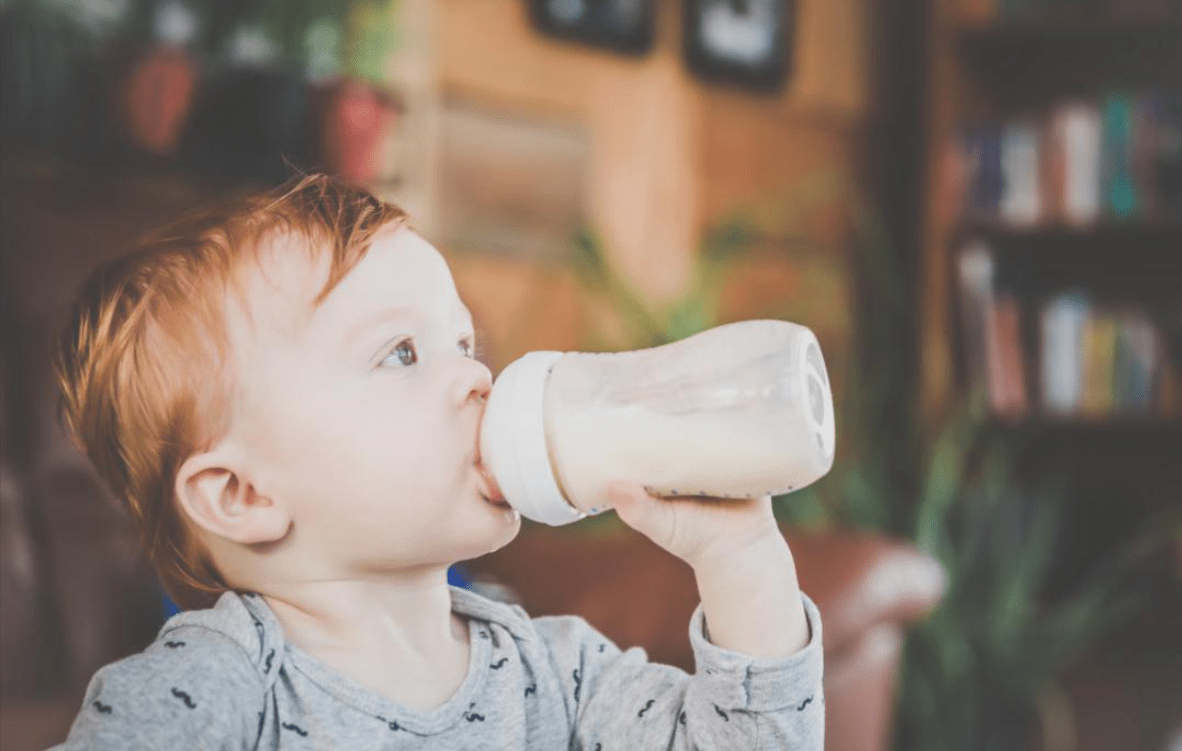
column 738, row 411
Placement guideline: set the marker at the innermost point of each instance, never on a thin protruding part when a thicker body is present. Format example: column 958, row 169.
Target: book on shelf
column 1077, row 127
column 1135, row 358
column 1020, row 196
column 983, row 175
column 1062, row 324
column 1094, row 361
column 1006, row 366
column 975, row 273
column 1166, row 153
column 1146, row 150
column 1115, row 157
column 1098, row 354
column 1099, row 361
column 992, row 329
column 1052, row 168
column 1121, row 197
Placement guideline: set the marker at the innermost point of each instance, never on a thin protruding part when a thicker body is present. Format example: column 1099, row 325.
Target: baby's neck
column 399, row 639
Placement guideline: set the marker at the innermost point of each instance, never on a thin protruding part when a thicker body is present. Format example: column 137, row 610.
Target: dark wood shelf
column 1102, row 231
column 1115, row 425
column 1075, row 28
column 1021, row 64
column 1116, row 261
column 1140, row 451
column 1114, row 479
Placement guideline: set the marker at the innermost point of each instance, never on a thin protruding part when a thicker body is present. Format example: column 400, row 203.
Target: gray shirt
column 225, row 678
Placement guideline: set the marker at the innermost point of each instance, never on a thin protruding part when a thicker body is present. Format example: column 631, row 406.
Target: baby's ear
column 215, row 494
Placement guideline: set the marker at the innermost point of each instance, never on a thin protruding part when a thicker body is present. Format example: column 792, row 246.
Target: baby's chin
column 512, row 521
column 508, row 525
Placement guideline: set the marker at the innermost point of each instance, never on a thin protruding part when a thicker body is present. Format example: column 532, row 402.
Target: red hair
column 144, row 365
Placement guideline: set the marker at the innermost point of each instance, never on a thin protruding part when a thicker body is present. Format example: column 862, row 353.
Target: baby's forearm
column 751, row 600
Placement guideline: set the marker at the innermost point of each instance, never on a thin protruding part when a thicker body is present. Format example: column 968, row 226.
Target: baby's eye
column 468, row 347
column 404, row 352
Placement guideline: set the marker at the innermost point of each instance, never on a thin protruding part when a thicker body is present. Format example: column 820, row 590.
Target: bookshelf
column 1051, row 275
column 1052, row 243
column 1054, row 180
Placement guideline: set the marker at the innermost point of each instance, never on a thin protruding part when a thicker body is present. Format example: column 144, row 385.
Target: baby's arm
column 751, row 598
column 756, row 638
column 195, row 690
column 734, row 701
column 745, row 571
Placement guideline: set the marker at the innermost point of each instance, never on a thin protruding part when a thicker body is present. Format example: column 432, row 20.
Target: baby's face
column 363, row 416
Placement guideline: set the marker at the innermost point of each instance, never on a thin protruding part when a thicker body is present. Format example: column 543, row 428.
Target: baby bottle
column 738, row 411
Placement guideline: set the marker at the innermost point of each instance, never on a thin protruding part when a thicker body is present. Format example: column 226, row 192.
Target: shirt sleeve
column 733, row 700
column 195, row 689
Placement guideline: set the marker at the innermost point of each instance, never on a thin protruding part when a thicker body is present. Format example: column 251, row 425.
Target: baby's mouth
column 489, row 488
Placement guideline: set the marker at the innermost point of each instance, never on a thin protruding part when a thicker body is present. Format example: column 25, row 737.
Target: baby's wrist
column 751, row 600
column 756, row 549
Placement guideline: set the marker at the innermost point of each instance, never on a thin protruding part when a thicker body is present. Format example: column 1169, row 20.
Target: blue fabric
column 455, row 577
column 170, row 608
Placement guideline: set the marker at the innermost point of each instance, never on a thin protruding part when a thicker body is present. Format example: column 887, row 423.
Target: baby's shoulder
column 199, row 678
column 484, row 606
column 238, row 632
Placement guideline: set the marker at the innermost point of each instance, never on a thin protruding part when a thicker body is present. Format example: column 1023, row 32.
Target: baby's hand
column 745, row 573
column 696, row 529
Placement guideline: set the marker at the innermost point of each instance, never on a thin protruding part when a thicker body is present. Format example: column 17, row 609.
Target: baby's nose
column 478, row 384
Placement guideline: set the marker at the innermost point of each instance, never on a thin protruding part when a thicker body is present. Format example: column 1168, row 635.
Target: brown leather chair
column 75, row 594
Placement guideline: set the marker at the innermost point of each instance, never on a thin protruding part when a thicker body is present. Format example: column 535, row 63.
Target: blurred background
column 975, row 204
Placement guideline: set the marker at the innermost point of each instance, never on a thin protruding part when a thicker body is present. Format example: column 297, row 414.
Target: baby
column 284, row 393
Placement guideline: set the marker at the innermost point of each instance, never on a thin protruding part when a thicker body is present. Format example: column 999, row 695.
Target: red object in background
column 154, row 99
column 355, row 116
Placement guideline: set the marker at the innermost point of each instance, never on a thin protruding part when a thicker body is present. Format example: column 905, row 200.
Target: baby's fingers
column 645, row 513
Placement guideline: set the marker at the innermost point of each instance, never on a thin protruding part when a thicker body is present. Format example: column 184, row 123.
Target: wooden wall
column 668, row 154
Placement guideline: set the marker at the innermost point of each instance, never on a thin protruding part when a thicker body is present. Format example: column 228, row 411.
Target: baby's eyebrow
column 386, row 315
column 382, row 316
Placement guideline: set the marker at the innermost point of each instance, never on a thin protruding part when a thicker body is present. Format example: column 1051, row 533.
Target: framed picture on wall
column 743, row 42
column 622, row 25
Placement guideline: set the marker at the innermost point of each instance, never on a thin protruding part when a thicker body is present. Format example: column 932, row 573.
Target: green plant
column 351, row 37
column 976, row 668
column 325, row 37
